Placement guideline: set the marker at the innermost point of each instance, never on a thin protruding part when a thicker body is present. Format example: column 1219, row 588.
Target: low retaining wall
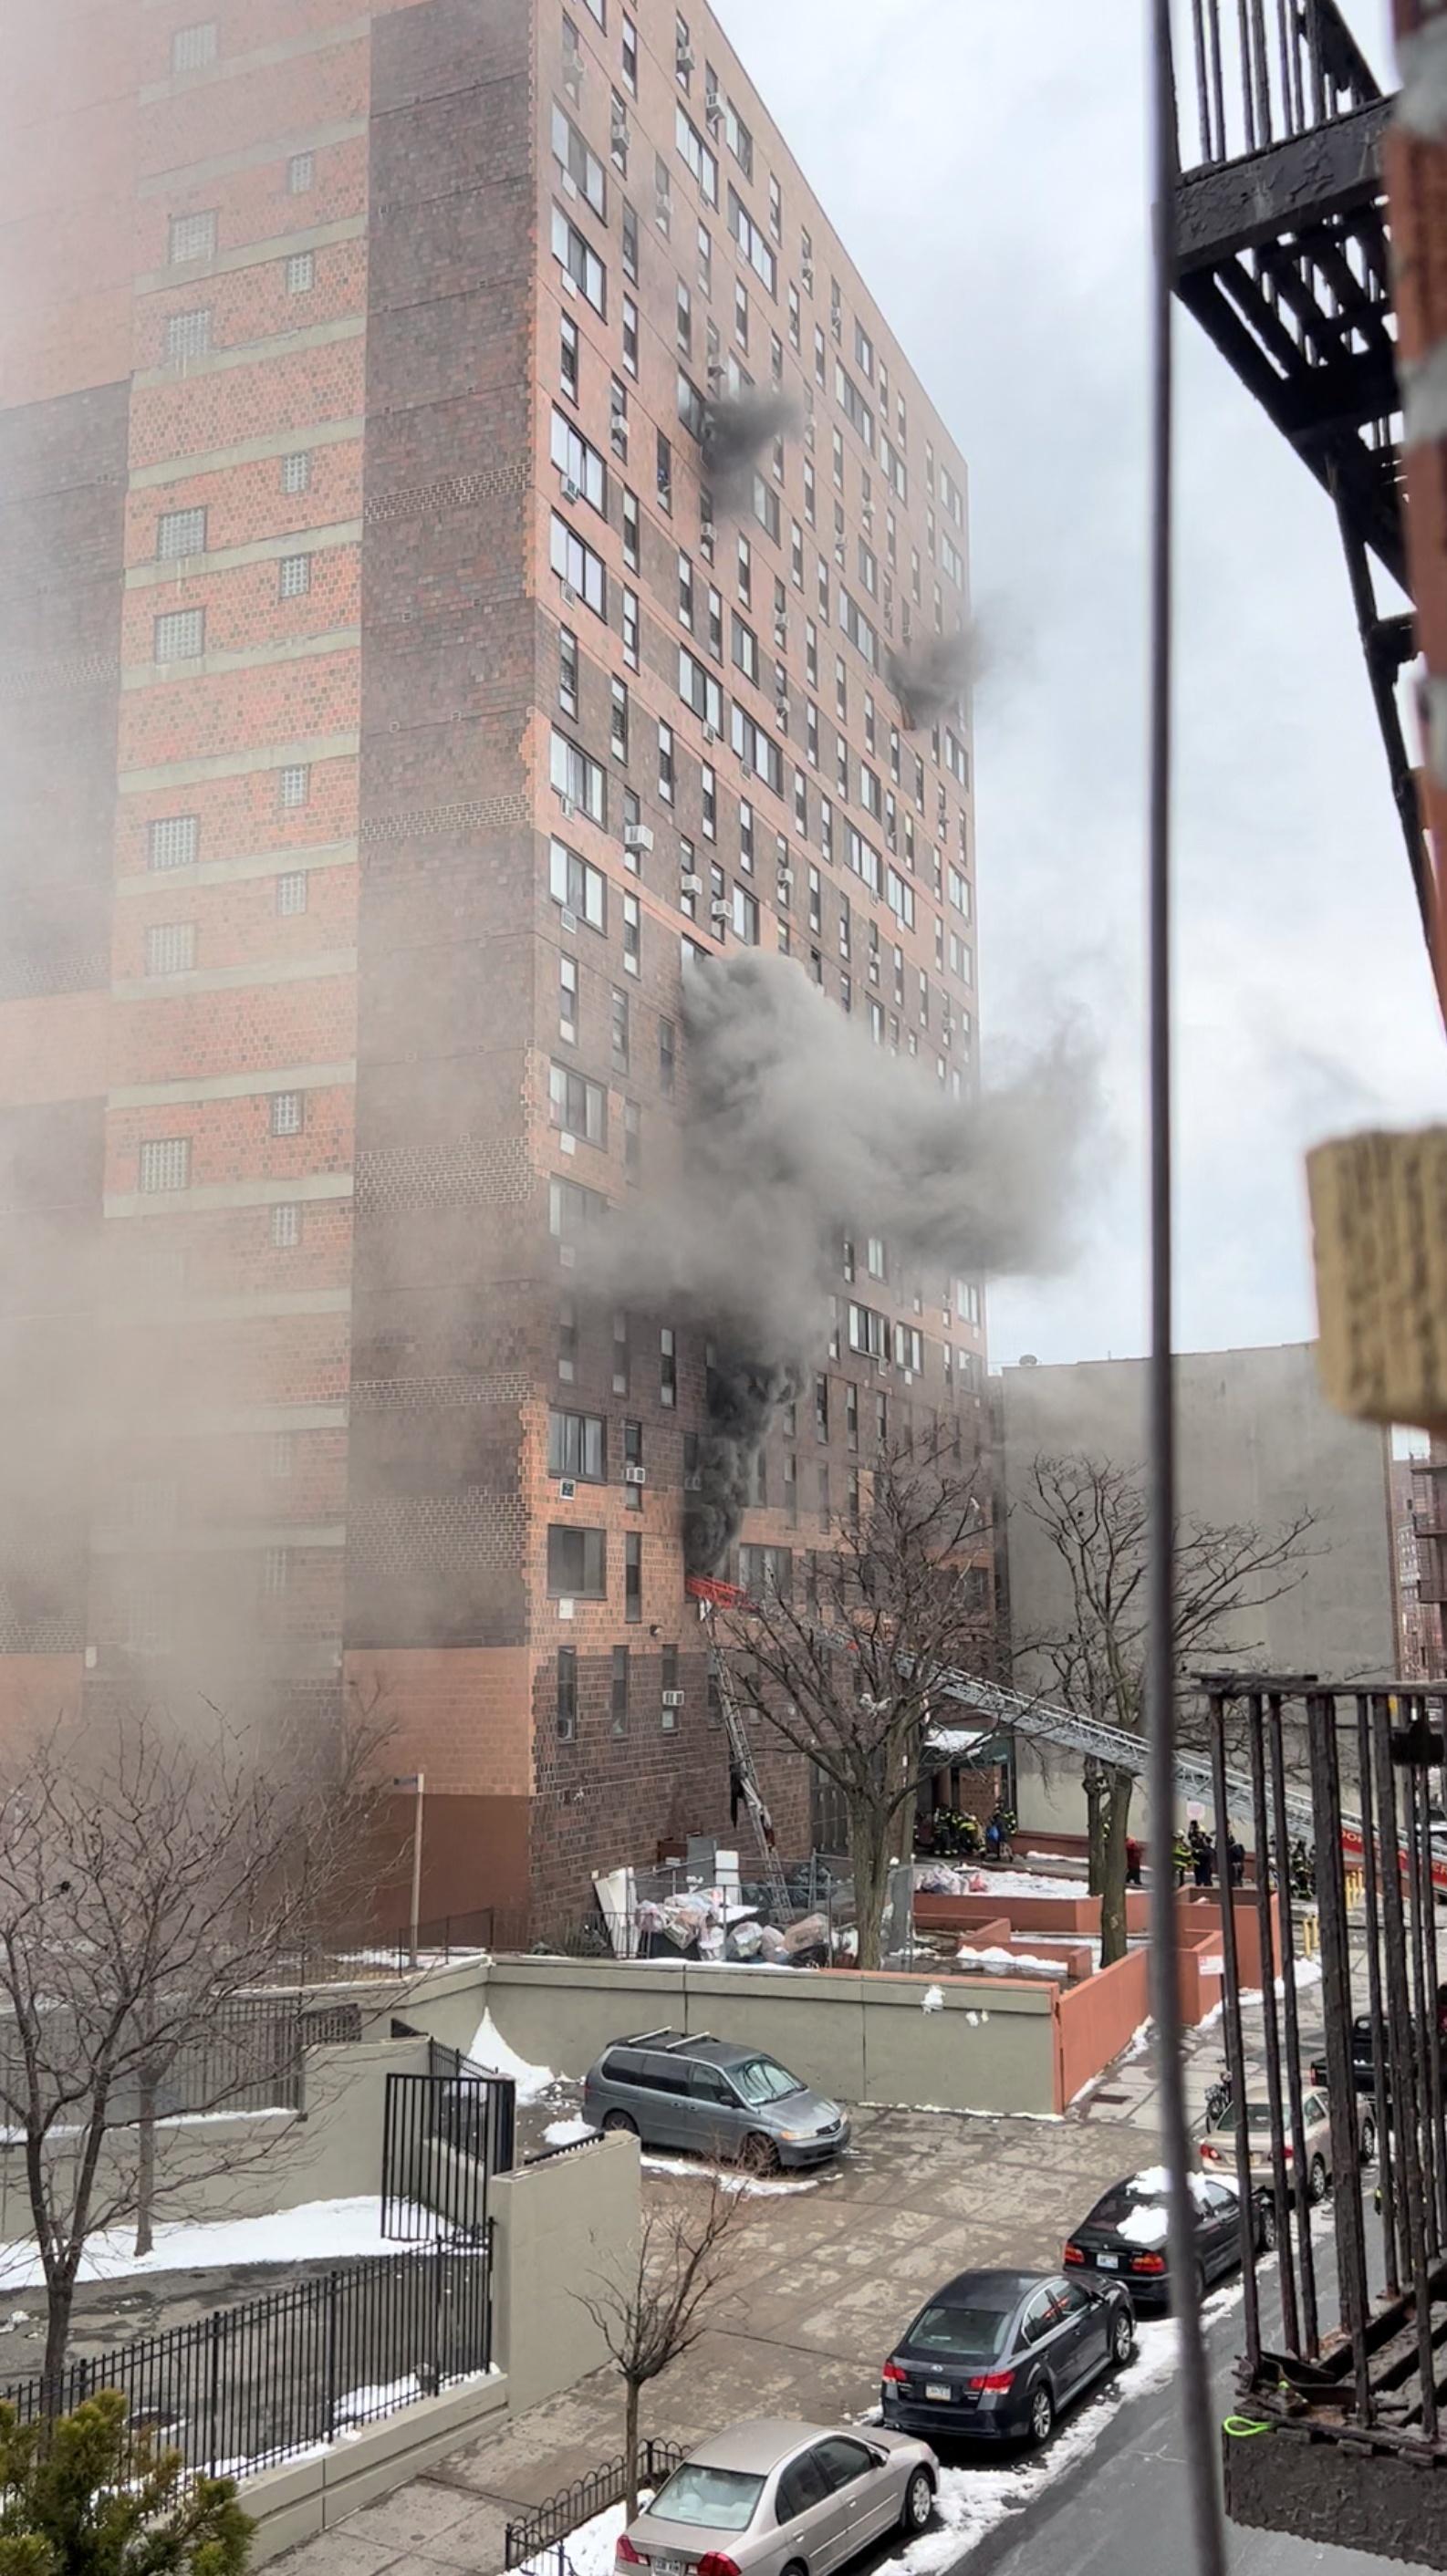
column 1095, row 2020
column 296, row 2502
column 860, row 2037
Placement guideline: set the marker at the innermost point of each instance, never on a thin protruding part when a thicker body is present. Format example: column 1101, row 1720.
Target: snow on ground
column 995, row 1963
column 566, row 2133
column 490, row 2050
column 589, row 2549
column 730, row 2178
column 320, row 2231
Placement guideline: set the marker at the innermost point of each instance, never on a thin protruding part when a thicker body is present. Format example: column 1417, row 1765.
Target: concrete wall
column 861, row 2038
column 563, row 2227
column 292, row 2504
column 1257, row 1445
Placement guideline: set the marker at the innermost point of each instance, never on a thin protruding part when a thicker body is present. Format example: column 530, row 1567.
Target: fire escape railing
column 1345, row 2336
column 1281, row 253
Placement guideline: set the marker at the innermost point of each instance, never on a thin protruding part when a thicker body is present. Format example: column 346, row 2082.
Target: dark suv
column 712, row 2095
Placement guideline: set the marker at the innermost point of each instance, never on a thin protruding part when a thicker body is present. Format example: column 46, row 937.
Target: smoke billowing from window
column 930, row 678
column 797, row 1131
column 736, row 430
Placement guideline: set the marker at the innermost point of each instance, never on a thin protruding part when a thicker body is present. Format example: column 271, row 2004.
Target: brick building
column 387, row 711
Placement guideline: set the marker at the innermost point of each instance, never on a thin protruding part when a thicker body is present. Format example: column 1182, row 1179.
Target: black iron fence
column 546, row 2530
column 444, row 2134
column 248, row 2387
column 248, row 2058
column 1360, row 2353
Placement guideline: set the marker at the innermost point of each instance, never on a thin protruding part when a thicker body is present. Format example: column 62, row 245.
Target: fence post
column 437, row 2293
column 213, row 2374
column 334, row 2285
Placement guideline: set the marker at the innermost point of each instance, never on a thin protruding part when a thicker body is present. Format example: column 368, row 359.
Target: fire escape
column 1281, row 253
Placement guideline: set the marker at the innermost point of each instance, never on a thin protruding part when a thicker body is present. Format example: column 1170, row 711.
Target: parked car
column 773, row 2498
column 995, row 2356
column 1364, row 2053
column 716, row 2096
column 1125, row 2235
column 1218, row 2147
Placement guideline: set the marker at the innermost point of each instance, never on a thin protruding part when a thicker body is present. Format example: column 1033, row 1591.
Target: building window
column 301, row 272
column 667, row 1055
column 579, row 779
column 630, row 629
column 577, row 1563
column 286, row 1227
column 630, row 54
column 568, row 1000
column 669, row 1692
column 174, row 841
column 618, row 1692
column 632, row 934
column 567, row 1341
column 180, row 635
column 171, row 948
column 632, row 1137
column 567, row 1688
column 288, row 1113
column 192, row 237
column 192, row 48
column 767, row 1573
column 579, row 261
column 821, row 1407
column 301, row 174
column 180, row 533
column 633, row 1576
column 577, row 1106
column 578, row 886
column 276, row 1572
column 746, row 917
column 291, row 891
column 620, row 1030
column 665, row 473
column 188, row 335
column 295, row 576
column 851, row 1417
column 568, row 671
column 667, row 1366
column 579, row 463
column 618, row 736
column 630, row 530
column 665, row 763
column 165, row 1163
column 577, row 1447
column 579, row 164
column 578, row 567
column 296, row 471
column 633, row 1458
column 281, row 1454
column 295, row 784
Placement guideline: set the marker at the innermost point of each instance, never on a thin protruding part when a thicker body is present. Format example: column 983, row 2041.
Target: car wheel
column 1369, row 2140
column 1042, row 2413
column 758, row 2154
column 620, row 2120
column 919, row 2502
column 1122, row 2338
column 1316, row 2179
column 1266, row 2227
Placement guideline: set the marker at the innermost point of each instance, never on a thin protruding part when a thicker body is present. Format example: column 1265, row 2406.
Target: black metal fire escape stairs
column 1281, row 253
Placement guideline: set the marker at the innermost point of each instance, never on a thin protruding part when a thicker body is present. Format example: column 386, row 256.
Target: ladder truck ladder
column 707, row 1592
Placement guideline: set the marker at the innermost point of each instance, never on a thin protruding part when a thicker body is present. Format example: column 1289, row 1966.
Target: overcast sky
column 983, row 161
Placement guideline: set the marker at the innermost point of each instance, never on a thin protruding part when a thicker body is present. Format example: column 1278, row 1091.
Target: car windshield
column 1258, row 2116
column 716, row 2499
column 759, row 2079
column 969, row 2334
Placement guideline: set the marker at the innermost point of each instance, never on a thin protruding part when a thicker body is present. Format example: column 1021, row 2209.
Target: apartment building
column 391, row 714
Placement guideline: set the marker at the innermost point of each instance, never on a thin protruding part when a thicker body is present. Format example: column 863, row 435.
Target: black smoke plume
column 930, row 677
column 736, row 430
column 796, row 1132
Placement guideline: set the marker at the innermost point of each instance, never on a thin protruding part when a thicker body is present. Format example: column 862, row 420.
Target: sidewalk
column 1129, row 2091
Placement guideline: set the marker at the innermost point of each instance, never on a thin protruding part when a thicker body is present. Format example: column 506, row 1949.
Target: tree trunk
column 630, row 2444
column 1115, row 1817
column 59, row 2301
column 146, row 2164
column 869, row 1859
column 1094, row 1829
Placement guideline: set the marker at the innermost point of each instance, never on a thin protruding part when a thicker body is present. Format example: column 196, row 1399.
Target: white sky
column 984, row 162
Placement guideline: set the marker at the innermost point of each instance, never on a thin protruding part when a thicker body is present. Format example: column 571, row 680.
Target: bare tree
column 1094, row 1516
column 158, row 1901
column 652, row 2302
column 850, row 1673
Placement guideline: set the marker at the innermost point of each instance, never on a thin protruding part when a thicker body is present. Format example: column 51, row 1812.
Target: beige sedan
column 1218, row 2147
column 774, row 2498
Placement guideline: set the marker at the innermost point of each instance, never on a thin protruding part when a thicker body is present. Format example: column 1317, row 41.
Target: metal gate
column 444, row 2135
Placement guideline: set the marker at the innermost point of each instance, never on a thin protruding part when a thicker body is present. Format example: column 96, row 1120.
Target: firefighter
column 1181, row 1858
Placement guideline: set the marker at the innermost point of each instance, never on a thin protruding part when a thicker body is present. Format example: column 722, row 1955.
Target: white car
column 1218, row 2147
column 775, row 2498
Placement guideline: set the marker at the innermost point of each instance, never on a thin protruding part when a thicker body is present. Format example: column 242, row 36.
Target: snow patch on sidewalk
column 728, row 2177
column 490, row 2051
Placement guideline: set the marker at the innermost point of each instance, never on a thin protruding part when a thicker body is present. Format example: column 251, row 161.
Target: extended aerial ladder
column 707, row 1592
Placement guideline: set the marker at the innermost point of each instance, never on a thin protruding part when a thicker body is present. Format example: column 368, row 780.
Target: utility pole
column 417, row 1782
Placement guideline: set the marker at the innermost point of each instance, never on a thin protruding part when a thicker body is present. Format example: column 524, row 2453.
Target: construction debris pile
column 695, row 1925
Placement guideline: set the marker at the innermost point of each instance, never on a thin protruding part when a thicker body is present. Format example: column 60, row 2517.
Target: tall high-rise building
column 389, row 709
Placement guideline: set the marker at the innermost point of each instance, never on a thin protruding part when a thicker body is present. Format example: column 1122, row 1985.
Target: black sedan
column 1124, row 2238
column 994, row 2356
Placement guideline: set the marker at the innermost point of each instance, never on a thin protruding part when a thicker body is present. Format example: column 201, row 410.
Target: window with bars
column 171, row 948
column 180, row 635
column 295, row 576
column 281, row 1454
column 288, row 1113
column 193, row 237
column 301, row 174
column 296, row 471
column 165, row 1163
column 286, row 1226
column 276, row 1572
column 192, row 48
column 301, row 272
column 174, row 841
column 291, row 891
column 188, row 335
column 295, row 783
column 179, row 533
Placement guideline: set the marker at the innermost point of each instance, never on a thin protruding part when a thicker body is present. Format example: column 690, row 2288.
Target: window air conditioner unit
column 570, row 920
column 786, row 880
column 781, row 630
column 709, row 733
column 713, row 109
column 571, row 491
column 569, row 808
column 807, row 274
column 567, row 1489
column 570, row 595
column 637, row 836
column 691, row 884
column 693, row 1484
column 619, row 125
column 673, row 1699
column 635, row 1475
column 683, row 62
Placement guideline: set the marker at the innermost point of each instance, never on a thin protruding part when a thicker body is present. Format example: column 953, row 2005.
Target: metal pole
column 1194, row 2381
column 417, row 1863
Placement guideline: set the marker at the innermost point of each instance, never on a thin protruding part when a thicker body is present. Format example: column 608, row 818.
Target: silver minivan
column 716, row 2097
